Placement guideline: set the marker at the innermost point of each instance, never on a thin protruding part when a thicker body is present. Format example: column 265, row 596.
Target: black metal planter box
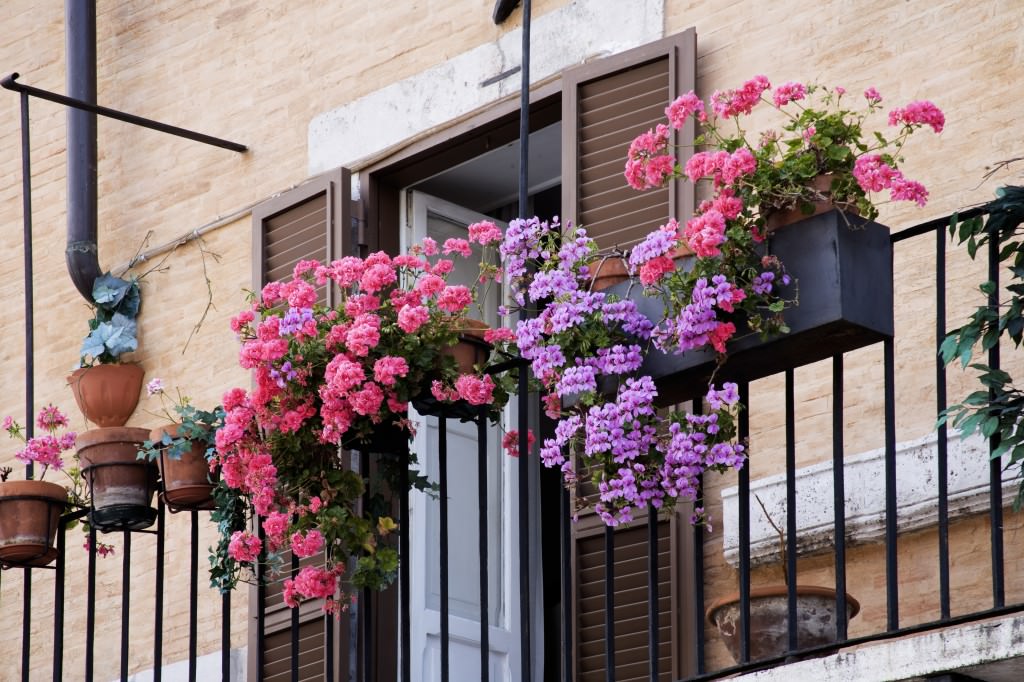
column 843, row 275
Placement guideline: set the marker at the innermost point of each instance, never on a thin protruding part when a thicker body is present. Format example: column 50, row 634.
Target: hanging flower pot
column 471, row 350
column 608, row 272
column 185, row 481
column 29, row 514
column 842, row 271
column 769, row 618
column 107, row 394
column 121, row 484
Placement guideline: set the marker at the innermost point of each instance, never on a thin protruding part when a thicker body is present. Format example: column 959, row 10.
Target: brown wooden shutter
column 631, row 613
column 605, row 104
column 311, row 221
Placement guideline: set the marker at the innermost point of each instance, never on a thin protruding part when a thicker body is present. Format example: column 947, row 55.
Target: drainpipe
column 81, row 254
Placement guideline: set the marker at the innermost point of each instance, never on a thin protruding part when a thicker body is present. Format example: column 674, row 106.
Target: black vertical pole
column 892, row 595
column 158, row 607
column 261, row 598
column 485, row 617
column 225, row 637
column 743, row 431
column 126, row 586
column 26, row 201
column 942, row 443
column 653, row 615
column 193, row 599
column 403, row 573
column 525, row 595
column 567, row 591
column 442, row 475
column 58, row 605
column 995, row 465
column 609, row 604
column 839, row 494
column 698, row 570
column 792, row 644
column 90, row 605
column 294, row 613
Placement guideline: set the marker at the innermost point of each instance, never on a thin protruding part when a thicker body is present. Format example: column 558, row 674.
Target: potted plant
column 181, row 451
column 106, row 389
column 120, row 485
column 331, row 378
column 30, row 510
column 769, row 613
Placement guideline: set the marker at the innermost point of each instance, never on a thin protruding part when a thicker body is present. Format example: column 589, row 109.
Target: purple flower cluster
column 294, row 320
column 657, row 243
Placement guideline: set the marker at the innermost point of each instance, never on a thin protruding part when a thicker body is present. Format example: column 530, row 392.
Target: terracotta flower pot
column 121, row 484
column 29, row 514
column 769, row 636
column 185, row 481
column 107, row 394
column 822, row 186
column 608, row 273
column 471, row 349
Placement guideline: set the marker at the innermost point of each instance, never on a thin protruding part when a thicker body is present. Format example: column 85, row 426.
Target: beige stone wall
column 258, row 72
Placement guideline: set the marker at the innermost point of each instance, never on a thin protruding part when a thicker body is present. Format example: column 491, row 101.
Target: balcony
column 849, row 488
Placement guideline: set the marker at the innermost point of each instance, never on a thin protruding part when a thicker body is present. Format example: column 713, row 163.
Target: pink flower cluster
column 312, row 582
column 732, row 103
column 324, row 376
column 873, row 174
column 46, row 450
column 789, row 92
column 723, row 168
column 244, row 546
column 649, row 163
column 918, row 113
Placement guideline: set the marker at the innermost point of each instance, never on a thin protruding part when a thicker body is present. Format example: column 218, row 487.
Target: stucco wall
column 260, row 73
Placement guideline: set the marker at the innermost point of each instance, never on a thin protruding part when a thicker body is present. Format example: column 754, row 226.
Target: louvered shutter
column 312, row 221
column 605, row 105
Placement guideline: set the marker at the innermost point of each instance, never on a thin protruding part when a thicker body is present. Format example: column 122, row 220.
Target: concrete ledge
column 916, row 496
column 990, row 650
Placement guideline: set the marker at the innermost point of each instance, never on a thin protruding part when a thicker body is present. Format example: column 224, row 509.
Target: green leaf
column 990, row 427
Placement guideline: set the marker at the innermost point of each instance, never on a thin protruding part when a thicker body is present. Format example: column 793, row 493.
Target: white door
column 438, row 219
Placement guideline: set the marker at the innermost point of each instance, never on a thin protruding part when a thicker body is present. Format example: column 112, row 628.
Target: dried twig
column 781, row 534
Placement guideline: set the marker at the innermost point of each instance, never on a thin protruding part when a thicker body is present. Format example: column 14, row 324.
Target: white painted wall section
column 581, row 30
column 207, row 668
column 864, row 476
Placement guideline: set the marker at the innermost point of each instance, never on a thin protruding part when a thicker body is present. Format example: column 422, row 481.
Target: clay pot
column 185, row 481
column 608, row 272
column 769, row 636
column 29, row 514
column 822, row 185
column 107, row 394
column 121, row 484
column 471, row 349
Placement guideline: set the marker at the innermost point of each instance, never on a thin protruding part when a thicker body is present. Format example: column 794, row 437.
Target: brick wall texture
column 258, row 72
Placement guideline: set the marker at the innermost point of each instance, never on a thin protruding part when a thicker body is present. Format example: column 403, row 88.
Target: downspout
column 81, row 253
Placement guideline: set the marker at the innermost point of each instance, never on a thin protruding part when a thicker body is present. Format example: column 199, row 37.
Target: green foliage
column 193, row 426
column 995, row 412
column 112, row 330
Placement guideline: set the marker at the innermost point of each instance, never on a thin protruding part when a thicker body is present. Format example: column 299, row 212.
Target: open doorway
column 487, row 186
